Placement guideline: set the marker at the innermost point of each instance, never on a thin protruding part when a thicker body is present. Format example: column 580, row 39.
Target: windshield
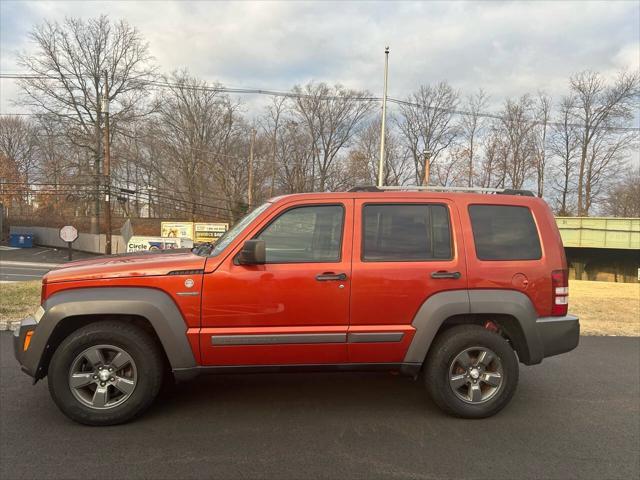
column 231, row 234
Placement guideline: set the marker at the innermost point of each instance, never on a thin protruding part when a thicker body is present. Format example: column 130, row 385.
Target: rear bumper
column 558, row 334
column 27, row 325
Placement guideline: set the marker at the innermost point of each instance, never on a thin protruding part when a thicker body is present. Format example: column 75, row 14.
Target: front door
column 295, row 308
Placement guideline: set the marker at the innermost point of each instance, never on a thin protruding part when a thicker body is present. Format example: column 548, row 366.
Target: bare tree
column 564, row 147
column 516, row 132
column 471, row 126
column 427, row 124
column 491, row 171
column 67, row 77
column 622, row 198
column 600, row 109
column 332, row 116
column 295, row 158
column 272, row 123
column 68, row 69
column 194, row 134
column 365, row 155
column 540, row 137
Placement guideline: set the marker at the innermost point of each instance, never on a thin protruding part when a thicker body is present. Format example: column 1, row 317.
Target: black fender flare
column 440, row 306
column 152, row 304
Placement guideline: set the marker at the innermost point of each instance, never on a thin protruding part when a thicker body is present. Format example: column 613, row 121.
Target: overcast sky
column 508, row 49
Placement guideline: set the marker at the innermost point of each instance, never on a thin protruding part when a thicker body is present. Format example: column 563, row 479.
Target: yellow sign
column 176, row 229
column 198, row 232
column 209, row 232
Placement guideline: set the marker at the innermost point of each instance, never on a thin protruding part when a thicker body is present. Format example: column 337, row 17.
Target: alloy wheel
column 476, row 375
column 102, row 376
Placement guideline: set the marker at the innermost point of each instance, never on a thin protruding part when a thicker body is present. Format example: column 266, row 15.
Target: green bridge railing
column 600, row 232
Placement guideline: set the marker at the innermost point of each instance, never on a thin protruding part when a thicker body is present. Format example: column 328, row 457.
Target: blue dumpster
column 21, row 240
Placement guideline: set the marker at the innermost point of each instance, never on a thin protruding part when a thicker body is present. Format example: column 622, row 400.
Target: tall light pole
column 107, row 162
column 384, row 118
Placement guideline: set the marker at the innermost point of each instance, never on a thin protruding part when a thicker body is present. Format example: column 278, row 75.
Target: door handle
column 328, row 276
column 444, row 274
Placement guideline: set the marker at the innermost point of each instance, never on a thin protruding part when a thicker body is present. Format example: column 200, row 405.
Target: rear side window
column 504, row 233
column 405, row 232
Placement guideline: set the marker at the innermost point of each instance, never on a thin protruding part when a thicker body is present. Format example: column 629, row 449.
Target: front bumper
column 558, row 334
column 27, row 325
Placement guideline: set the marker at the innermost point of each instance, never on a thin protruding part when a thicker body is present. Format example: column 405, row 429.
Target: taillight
column 559, row 293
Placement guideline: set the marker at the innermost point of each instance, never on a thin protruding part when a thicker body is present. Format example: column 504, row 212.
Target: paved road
column 24, row 264
column 574, row 416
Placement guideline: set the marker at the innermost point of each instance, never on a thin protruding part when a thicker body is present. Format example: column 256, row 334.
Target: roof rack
column 435, row 188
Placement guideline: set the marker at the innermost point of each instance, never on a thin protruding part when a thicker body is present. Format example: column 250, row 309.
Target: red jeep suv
column 454, row 288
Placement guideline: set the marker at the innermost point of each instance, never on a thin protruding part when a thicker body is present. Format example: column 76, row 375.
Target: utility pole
column 250, row 190
column 107, row 162
column 427, row 167
column 384, row 118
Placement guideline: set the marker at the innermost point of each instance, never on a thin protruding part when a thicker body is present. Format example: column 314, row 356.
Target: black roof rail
column 435, row 188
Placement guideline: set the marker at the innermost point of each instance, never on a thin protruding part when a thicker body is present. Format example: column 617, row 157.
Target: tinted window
column 504, row 233
column 402, row 232
column 231, row 235
column 305, row 234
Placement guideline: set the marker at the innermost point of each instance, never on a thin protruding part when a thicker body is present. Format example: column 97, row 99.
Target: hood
column 136, row 265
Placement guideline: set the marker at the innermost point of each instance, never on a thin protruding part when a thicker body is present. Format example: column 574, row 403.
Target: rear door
column 295, row 308
column 404, row 252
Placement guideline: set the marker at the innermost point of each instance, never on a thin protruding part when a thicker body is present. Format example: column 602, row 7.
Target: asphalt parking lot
column 24, row 264
column 574, row 416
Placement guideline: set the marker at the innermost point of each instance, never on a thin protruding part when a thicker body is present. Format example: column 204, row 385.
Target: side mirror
column 254, row 252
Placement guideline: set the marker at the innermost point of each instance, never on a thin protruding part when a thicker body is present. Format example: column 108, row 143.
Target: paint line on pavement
column 29, row 264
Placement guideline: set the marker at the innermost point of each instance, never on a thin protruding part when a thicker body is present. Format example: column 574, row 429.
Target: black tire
column 436, row 373
column 129, row 338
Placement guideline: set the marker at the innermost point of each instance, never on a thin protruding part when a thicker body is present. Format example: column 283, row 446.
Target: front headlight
column 39, row 314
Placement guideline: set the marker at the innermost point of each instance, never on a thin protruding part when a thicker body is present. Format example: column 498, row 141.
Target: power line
column 18, row 188
column 290, row 94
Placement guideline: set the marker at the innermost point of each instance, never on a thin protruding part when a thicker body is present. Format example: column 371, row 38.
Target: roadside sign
column 68, row 234
column 198, row 232
column 126, row 231
column 209, row 232
column 176, row 229
column 150, row 244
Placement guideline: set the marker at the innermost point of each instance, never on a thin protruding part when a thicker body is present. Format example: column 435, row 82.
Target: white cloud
column 506, row 48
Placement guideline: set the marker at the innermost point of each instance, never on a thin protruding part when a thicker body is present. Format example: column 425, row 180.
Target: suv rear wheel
column 105, row 373
column 471, row 372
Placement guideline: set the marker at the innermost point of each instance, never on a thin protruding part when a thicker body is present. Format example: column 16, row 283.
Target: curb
column 9, row 325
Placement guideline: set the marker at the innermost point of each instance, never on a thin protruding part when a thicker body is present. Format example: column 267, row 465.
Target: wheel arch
column 151, row 309
column 512, row 311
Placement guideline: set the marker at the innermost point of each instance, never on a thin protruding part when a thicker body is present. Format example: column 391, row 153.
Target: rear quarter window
column 502, row 232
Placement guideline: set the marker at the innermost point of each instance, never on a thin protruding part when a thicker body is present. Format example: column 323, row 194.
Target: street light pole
column 384, row 118
column 107, row 162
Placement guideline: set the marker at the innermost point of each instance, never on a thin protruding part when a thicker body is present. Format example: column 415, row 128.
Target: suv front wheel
column 105, row 373
column 471, row 372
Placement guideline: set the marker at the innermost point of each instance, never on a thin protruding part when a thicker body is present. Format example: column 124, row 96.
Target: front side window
column 406, row 232
column 309, row 234
column 224, row 241
column 504, row 232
